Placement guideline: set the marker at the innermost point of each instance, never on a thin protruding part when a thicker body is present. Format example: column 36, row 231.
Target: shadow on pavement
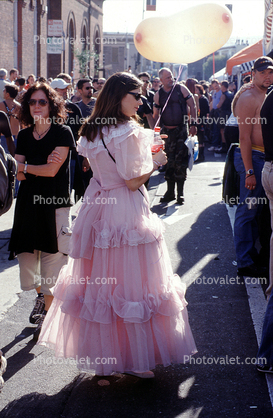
column 22, row 357
column 113, row 396
column 38, row 405
column 225, row 365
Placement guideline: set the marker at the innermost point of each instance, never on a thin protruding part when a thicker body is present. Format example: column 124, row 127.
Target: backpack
column 231, row 179
column 8, row 169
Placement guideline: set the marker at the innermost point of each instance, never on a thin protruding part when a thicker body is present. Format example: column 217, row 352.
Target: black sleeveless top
column 174, row 113
column 226, row 106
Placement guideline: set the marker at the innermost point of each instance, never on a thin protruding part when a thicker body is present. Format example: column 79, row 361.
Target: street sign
column 54, row 27
column 54, row 45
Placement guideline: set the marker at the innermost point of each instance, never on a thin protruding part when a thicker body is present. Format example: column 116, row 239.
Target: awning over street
column 250, row 53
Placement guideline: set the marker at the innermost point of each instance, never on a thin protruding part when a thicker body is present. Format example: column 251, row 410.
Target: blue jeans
column 216, row 135
column 246, row 225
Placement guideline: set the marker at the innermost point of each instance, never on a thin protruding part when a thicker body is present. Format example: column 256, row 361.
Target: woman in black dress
column 43, row 202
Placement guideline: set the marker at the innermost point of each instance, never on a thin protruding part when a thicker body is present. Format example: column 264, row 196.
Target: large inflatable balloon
column 186, row 36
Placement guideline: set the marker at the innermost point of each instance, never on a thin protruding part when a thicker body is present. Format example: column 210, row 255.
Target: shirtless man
column 249, row 162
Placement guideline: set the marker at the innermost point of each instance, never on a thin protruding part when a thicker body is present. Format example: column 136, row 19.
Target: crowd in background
column 213, row 102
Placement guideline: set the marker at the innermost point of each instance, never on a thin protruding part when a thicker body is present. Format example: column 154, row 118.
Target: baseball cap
column 263, row 63
column 58, row 83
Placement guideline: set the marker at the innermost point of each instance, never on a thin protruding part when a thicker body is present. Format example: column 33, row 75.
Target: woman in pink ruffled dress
column 117, row 305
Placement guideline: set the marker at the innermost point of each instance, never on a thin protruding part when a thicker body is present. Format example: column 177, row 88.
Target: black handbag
column 231, row 179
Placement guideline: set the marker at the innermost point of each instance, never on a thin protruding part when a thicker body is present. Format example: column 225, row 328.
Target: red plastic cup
column 156, row 148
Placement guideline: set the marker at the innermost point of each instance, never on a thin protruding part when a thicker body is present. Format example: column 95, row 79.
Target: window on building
column 84, row 38
column 71, row 36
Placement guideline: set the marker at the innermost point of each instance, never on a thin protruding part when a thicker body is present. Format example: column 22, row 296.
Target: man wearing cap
column 249, row 162
column 3, row 82
column 60, row 86
column 74, row 117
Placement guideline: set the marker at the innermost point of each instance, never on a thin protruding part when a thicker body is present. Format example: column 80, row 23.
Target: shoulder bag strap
column 111, row 156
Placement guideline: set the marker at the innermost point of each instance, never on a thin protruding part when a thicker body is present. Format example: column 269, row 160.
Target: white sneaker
column 211, row 148
column 3, row 366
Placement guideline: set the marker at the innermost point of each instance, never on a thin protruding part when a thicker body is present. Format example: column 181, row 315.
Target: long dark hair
column 57, row 111
column 107, row 110
column 190, row 84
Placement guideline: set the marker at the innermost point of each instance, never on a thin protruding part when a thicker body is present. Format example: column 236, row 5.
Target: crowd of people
column 90, row 137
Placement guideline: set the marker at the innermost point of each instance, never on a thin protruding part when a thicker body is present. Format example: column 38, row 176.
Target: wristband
column 249, row 175
column 193, row 124
column 25, row 169
column 157, row 163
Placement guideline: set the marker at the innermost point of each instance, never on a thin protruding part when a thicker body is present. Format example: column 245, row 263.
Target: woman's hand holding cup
column 160, row 158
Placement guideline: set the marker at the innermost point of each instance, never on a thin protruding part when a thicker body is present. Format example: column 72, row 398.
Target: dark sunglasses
column 88, row 88
column 137, row 95
column 41, row 102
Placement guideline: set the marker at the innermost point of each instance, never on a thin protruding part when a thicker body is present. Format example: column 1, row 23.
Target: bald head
column 166, row 78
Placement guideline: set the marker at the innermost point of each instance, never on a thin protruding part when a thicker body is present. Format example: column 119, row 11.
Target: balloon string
column 176, row 81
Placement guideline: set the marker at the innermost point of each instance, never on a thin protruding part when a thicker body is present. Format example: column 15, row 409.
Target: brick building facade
column 24, row 35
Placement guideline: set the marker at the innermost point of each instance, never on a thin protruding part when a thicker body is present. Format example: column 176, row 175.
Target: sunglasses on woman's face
column 41, row 102
column 137, row 95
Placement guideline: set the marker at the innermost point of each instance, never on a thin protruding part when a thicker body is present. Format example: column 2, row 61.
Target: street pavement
column 225, row 314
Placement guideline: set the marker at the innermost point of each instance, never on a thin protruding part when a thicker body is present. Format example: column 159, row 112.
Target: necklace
column 40, row 135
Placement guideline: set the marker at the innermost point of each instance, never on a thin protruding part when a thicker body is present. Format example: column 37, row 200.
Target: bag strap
column 111, row 156
column 9, row 111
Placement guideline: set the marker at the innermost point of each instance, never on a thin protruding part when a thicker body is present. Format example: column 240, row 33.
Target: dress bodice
column 130, row 147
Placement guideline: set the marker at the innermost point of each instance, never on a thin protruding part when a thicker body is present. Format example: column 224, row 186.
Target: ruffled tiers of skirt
column 123, row 309
column 113, row 218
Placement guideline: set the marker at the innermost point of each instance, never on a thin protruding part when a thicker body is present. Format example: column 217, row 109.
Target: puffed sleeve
column 132, row 152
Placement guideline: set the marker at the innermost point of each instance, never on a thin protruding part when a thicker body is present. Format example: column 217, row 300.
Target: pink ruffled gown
column 117, row 304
